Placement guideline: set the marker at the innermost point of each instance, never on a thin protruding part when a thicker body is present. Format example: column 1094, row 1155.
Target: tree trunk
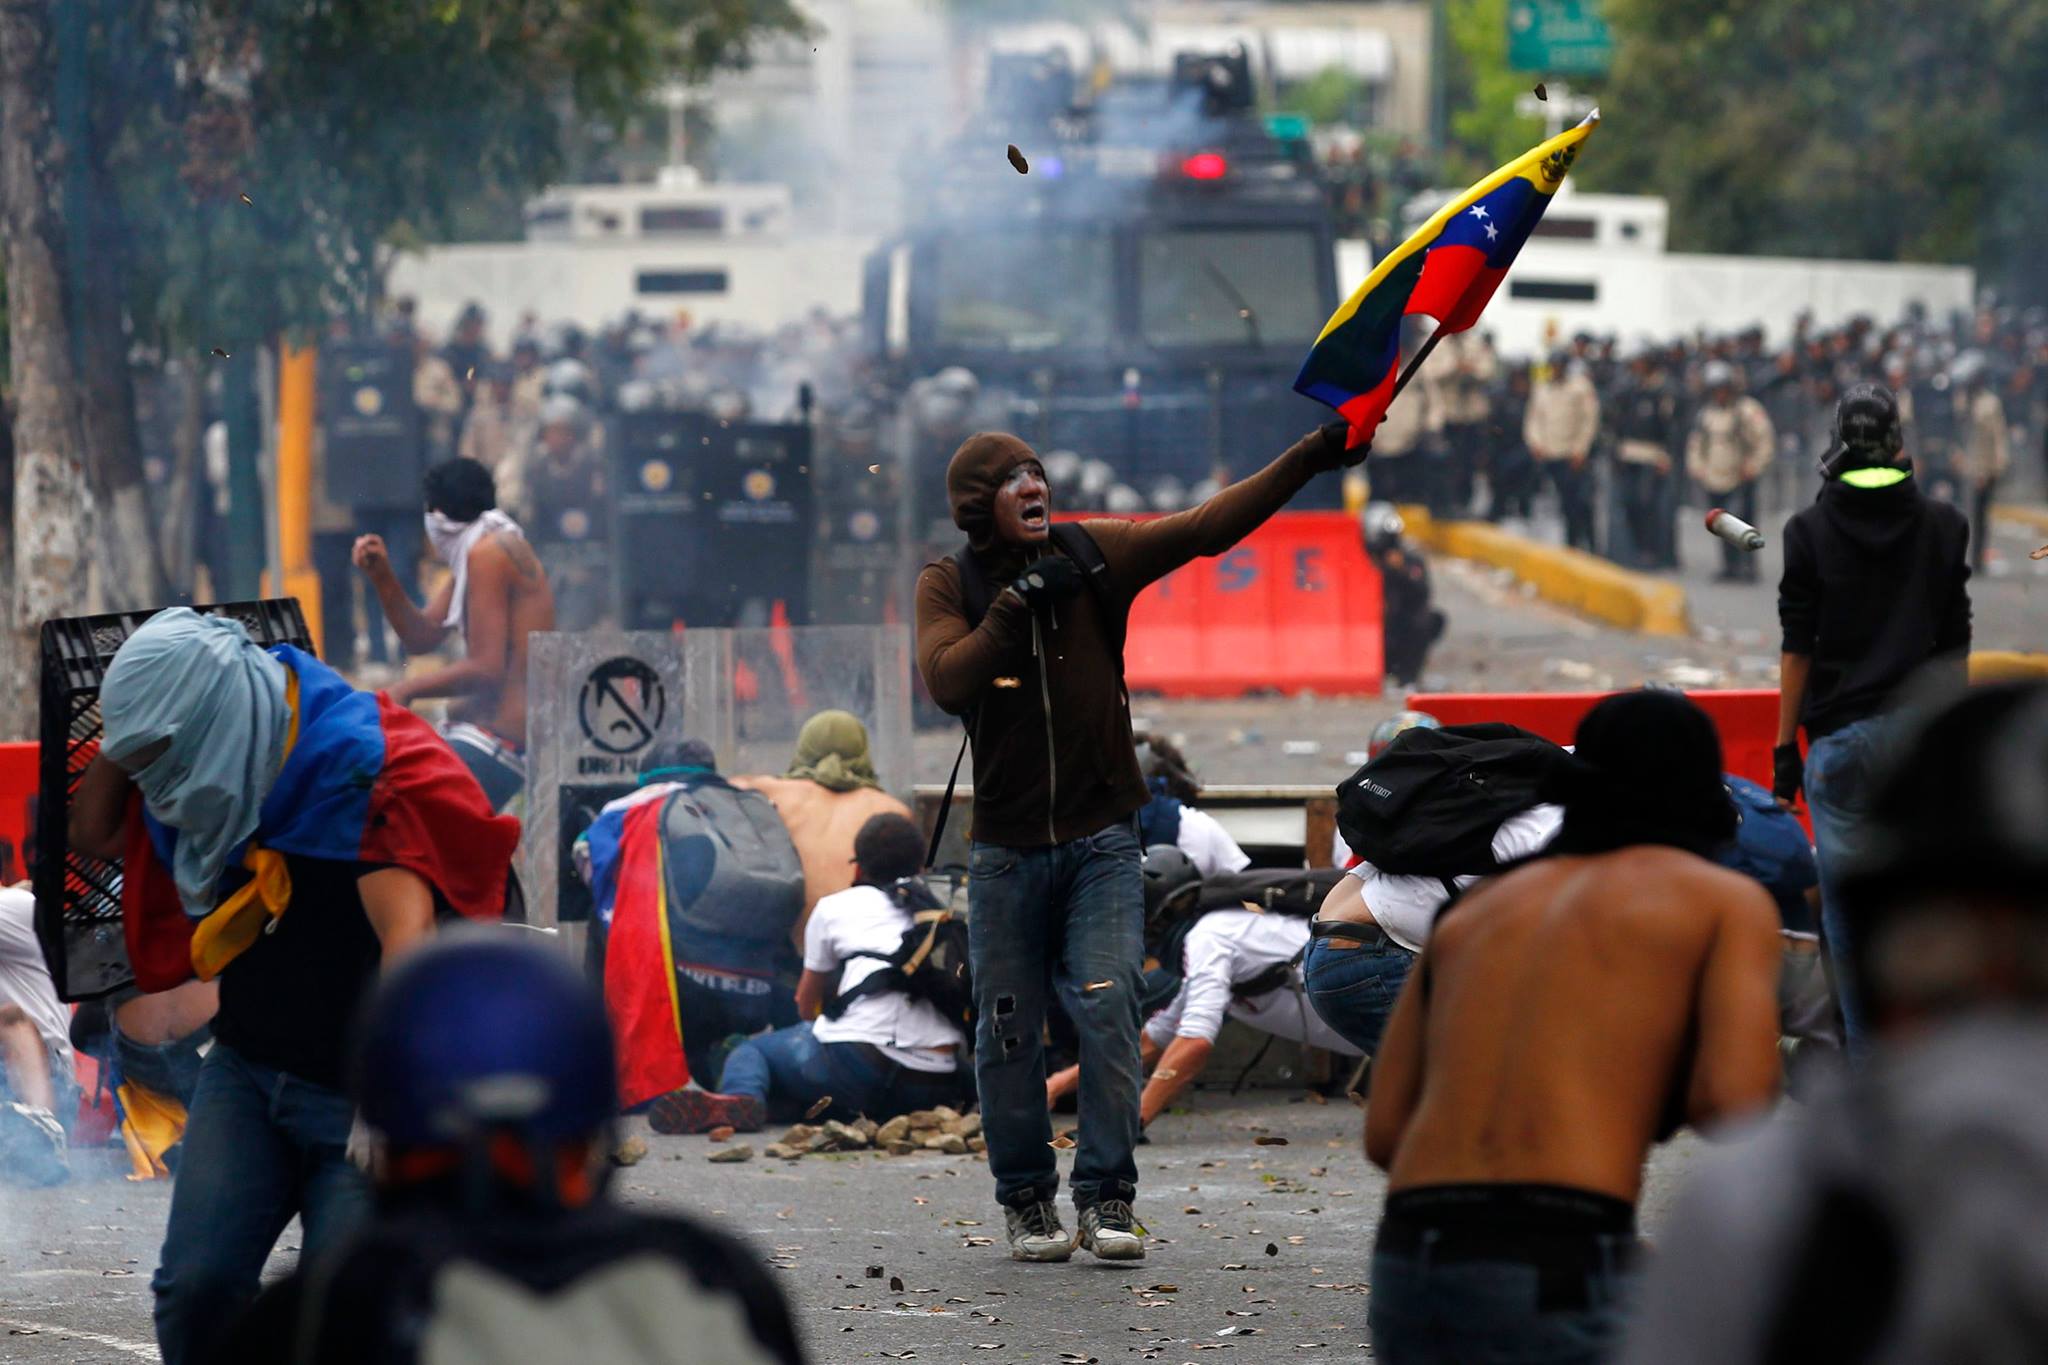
column 52, row 504
column 130, row 571
column 181, row 509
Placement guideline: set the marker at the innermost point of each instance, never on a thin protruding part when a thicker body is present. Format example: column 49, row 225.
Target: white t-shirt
column 25, row 977
column 1227, row 946
column 1208, row 845
column 862, row 919
column 1406, row 906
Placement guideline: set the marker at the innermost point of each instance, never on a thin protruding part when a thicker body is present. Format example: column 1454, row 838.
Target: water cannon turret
column 1222, row 79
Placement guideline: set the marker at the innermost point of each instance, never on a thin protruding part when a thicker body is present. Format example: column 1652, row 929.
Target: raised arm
column 418, row 631
column 487, row 632
column 959, row 663
column 1142, row 552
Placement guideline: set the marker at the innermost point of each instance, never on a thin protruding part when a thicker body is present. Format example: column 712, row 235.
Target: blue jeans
column 1493, row 1312
column 791, row 1070
column 1353, row 986
column 260, row 1146
column 1068, row 917
column 1841, row 775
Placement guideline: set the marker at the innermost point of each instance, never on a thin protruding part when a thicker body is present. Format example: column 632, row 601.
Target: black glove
column 1788, row 771
column 1050, row 578
column 1326, row 448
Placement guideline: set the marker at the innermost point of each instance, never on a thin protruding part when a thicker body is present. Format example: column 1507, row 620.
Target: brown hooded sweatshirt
column 1053, row 755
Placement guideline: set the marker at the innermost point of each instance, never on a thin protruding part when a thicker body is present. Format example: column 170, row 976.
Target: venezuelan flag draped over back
column 1448, row 271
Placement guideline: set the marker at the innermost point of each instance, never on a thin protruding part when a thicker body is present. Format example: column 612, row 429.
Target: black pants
column 1640, row 499
column 1574, row 485
column 1980, row 522
column 716, row 1007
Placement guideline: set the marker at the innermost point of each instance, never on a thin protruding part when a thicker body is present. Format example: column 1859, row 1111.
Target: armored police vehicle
column 1137, row 286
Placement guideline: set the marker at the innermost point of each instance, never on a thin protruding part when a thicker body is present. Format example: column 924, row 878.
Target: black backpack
column 930, row 964
column 1432, row 801
column 1278, row 891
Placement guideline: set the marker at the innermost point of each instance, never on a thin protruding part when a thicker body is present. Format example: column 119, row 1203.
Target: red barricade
column 1746, row 717
column 1294, row 607
column 17, row 809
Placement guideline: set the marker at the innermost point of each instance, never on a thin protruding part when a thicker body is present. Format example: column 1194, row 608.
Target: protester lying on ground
column 496, row 596
column 1228, row 946
column 1875, row 588
column 1897, row 1219
column 873, row 1044
column 483, row 1071
column 1365, row 936
column 1564, row 1016
column 828, row 794
column 38, row 1086
column 1368, row 929
column 696, row 885
column 1024, row 613
column 1771, row 846
column 1171, row 816
column 292, row 835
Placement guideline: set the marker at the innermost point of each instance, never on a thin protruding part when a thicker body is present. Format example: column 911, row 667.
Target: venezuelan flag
column 1448, row 271
column 366, row 781
column 629, row 876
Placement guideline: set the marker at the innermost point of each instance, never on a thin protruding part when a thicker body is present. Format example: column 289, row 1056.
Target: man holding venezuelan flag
column 289, row 835
column 1446, row 272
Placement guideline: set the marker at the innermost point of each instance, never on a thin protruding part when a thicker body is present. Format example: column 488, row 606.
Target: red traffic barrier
column 1294, row 607
column 1746, row 717
column 18, row 783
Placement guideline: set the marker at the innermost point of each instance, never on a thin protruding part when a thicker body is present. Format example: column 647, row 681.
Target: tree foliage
column 1485, row 129
column 1879, row 129
column 345, row 124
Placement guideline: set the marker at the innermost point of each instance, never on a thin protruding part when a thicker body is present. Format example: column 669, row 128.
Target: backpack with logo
column 1430, row 804
column 730, row 867
column 929, row 964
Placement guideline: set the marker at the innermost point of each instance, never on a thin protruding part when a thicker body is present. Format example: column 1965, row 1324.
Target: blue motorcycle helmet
column 482, row 1037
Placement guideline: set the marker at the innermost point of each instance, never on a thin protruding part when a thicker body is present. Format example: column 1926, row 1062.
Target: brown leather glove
column 1324, row 447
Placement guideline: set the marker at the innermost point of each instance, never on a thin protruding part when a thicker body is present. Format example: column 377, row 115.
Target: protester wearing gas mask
column 1876, row 587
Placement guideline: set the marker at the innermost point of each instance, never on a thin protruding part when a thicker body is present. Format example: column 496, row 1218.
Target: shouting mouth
column 1032, row 512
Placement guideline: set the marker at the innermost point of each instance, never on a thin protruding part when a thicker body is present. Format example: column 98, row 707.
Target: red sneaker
column 699, row 1111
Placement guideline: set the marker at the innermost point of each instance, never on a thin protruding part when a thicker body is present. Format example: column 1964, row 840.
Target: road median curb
column 2033, row 518
column 1571, row 578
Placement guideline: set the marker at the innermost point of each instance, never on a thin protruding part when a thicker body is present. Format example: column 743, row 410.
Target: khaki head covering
column 832, row 751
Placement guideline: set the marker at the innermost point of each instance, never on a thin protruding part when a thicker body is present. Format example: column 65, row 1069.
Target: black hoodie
column 1875, row 586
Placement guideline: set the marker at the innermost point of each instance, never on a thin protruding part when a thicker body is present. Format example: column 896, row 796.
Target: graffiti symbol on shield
column 621, row 705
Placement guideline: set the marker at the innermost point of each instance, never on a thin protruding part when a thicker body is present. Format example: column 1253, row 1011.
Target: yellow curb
column 2006, row 665
column 1571, row 578
column 2035, row 518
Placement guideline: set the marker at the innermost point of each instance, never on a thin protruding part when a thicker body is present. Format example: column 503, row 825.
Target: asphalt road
column 75, row 1261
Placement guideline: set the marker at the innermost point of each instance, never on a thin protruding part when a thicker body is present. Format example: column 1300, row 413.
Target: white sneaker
column 1035, row 1232
column 1111, row 1230
column 32, row 1146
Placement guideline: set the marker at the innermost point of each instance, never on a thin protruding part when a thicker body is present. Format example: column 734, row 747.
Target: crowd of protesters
column 1627, row 435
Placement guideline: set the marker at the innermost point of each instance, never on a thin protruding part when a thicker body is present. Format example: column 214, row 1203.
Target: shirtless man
column 497, row 596
column 1563, row 1018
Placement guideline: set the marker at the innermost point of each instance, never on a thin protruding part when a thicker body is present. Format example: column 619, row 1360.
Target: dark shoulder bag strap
column 975, row 600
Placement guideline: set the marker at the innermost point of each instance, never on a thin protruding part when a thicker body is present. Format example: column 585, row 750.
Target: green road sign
column 1559, row 37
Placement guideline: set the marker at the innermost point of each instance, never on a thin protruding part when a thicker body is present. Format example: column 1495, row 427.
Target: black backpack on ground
column 1432, row 801
column 930, row 964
